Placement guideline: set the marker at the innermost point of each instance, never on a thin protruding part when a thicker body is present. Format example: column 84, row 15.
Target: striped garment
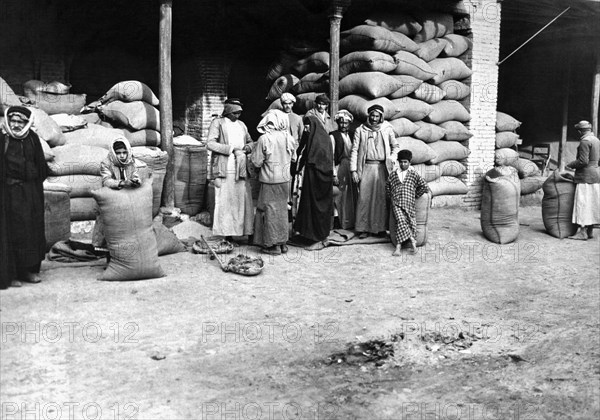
column 403, row 196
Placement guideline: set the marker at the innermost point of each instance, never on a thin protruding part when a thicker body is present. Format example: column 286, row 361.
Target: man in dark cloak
column 315, row 210
column 22, row 173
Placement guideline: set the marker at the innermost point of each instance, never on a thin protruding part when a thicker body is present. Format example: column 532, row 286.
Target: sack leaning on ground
column 557, row 205
column 127, row 218
column 500, row 205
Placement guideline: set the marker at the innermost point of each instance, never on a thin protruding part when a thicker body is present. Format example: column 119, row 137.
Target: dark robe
column 22, row 233
column 316, row 199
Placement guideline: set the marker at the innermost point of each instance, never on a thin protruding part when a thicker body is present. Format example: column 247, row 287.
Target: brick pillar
column 485, row 27
column 209, row 90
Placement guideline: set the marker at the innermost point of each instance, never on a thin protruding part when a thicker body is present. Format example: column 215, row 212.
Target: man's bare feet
column 413, row 246
column 397, row 252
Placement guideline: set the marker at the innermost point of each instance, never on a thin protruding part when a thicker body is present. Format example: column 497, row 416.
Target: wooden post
column 166, row 100
column 335, row 20
column 596, row 94
column 565, row 115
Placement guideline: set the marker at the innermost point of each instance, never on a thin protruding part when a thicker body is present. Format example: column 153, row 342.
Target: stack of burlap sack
column 506, row 154
column 415, row 67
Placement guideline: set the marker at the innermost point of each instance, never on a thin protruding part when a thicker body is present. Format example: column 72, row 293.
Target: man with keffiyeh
column 22, row 173
column 273, row 153
column 372, row 159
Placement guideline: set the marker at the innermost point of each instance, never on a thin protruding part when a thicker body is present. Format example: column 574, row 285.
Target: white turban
column 342, row 114
column 287, row 97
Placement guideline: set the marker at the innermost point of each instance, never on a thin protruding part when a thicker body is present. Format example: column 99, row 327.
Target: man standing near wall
column 586, row 210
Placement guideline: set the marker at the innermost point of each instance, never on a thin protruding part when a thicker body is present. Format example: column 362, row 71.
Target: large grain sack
column 455, row 131
column 90, row 117
column 77, row 159
column 7, row 97
column 429, row 133
column 500, row 206
column 403, row 127
column 93, row 135
column 452, row 168
column 83, row 208
column 167, row 242
column 48, row 153
column 375, row 38
column 130, row 91
column 448, row 150
column 409, row 85
column 429, row 93
column 360, row 61
column 455, row 90
column 68, row 122
column 358, row 105
column 421, row 152
column 409, row 64
column 435, row 25
column 57, row 213
column 413, row 109
column 422, row 205
column 190, row 166
column 526, row 168
column 52, row 103
column 369, row 84
column 304, row 102
column 505, row 122
column 557, row 205
column 506, row 139
column 428, row 172
column 312, row 82
column 156, row 160
column 430, row 50
column 81, row 185
column 281, row 85
column 46, row 128
column 282, row 65
column 146, row 137
column 450, row 68
column 394, row 21
column 317, row 62
column 447, row 110
column 456, row 45
column 506, row 157
column 447, row 185
column 127, row 218
column 137, row 115
column 37, row 86
column 531, row 184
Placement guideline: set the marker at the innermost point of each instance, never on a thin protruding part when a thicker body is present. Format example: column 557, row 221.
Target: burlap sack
column 281, row 85
column 429, row 133
column 312, row 82
column 411, row 65
column 421, row 152
column 428, row 172
column 447, row 110
column 505, row 122
column 46, row 128
column 435, row 25
column 500, row 206
column 77, row 159
column 452, row 168
column 448, row 150
column 429, row 93
column 130, row 91
column 422, row 205
column 360, row 61
column 506, row 139
column 430, row 50
column 369, row 84
column 315, row 63
column 557, row 205
column 136, row 115
column 403, row 127
column 413, row 109
column 394, row 21
column 81, row 185
column 375, row 38
column 358, row 105
column 409, row 85
column 456, row 45
column 455, row 131
column 57, row 209
column 455, row 90
column 450, row 68
column 93, row 135
column 447, row 185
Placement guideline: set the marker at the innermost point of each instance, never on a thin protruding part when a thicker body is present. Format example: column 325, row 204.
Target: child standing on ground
column 118, row 171
column 403, row 188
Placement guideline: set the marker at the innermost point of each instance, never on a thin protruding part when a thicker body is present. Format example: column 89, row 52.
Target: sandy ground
column 203, row 344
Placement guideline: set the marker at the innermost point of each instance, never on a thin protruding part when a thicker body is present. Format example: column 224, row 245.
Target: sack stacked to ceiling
column 413, row 66
column 507, row 141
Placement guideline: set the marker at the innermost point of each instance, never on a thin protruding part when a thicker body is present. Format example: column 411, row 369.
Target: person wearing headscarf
column 22, row 173
column 586, row 209
column 345, row 201
column 372, row 159
column 320, row 112
column 273, row 154
column 313, row 220
column 229, row 143
column 118, row 170
column 403, row 188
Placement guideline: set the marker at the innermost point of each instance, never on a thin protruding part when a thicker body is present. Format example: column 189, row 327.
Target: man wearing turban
column 229, row 143
column 345, row 201
column 22, row 173
column 373, row 158
column 403, row 188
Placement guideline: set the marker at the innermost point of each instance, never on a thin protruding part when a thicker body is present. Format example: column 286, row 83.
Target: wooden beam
column 596, row 94
column 335, row 22
column 166, row 100
column 565, row 116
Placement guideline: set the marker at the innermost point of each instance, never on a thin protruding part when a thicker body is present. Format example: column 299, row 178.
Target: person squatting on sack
column 403, row 188
column 22, row 173
column 586, row 209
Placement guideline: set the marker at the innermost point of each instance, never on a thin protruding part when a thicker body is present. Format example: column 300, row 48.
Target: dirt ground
column 466, row 329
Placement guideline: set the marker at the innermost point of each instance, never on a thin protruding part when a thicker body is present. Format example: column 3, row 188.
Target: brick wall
column 485, row 27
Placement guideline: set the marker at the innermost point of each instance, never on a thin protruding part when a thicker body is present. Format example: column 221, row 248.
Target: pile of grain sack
column 415, row 68
column 506, row 140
